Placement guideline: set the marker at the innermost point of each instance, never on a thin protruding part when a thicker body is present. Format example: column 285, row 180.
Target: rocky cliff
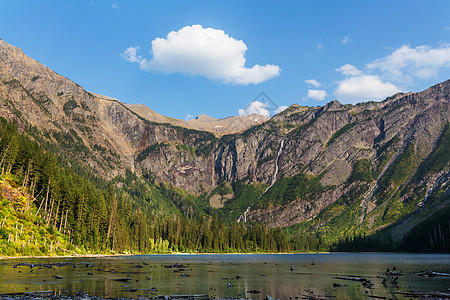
column 310, row 157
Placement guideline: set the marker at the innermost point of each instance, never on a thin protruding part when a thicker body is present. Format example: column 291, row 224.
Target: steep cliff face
column 311, row 155
column 331, row 140
column 103, row 133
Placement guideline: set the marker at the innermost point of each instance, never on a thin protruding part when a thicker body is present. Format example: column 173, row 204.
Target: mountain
column 336, row 170
column 218, row 127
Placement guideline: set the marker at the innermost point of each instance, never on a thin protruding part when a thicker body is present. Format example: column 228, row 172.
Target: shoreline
column 196, row 253
column 149, row 254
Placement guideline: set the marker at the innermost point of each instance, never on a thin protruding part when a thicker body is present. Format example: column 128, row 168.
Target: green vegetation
column 71, row 140
column 187, row 148
column 388, row 144
column 244, row 196
column 155, row 148
column 383, row 160
column 22, row 231
column 432, row 235
column 340, row 132
column 431, row 232
column 69, row 106
column 397, row 173
column 297, row 131
column 337, row 220
column 362, row 171
column 439, row 159
column 288, row 189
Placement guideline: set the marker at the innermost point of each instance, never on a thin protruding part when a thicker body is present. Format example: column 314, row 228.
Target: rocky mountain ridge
column 219, row 127
column 319, row 149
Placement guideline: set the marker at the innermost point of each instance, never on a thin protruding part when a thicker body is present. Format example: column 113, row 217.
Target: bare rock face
column 323, row 142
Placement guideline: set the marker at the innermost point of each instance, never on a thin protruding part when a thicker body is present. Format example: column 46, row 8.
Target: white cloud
column 280, row 109
column 349, row 70
column 364, row 88
column 346, row 40
column 316, row 94
column 208, row 52
column 255, row 107
column 404, row 67
column 131, row 54
column 405, row 63
column 189, row 117
column 313, row 82
column 116, row 7
column 319, row 46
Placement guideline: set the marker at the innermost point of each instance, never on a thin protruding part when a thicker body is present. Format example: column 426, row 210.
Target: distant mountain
column 332, row 171
column 219, row 127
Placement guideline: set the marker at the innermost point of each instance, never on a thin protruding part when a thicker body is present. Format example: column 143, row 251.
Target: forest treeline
column 97, row 216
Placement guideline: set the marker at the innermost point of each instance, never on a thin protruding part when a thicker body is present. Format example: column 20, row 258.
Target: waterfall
column 431, row 190
column 276, row 167
column 243, row 217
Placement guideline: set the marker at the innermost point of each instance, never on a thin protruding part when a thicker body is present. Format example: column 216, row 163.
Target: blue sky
column 220, row 55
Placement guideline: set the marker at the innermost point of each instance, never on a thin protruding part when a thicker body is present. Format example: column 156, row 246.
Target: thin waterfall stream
column 431, row 189
column 243, row 217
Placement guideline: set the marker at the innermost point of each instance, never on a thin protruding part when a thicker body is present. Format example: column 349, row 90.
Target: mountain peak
column 203, row 118
column 333, row 105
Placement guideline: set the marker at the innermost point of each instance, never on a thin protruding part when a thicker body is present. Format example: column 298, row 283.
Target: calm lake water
column 216, row 275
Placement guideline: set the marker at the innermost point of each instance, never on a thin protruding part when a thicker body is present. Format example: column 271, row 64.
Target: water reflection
column 281, row 276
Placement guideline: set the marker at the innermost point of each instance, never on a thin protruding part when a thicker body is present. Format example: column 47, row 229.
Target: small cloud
column 130, row 55
column 319, row 46
column 447, row 28
column 197, row 51
column 116, row 7
column 313, row 82
column 346, row 40
column 280, row 109
column 364, row 88
column 189, row 117
column 255, row 107
column 349, row 70
column 318, row 95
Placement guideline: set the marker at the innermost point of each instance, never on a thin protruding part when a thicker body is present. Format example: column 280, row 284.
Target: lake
column 282, row 276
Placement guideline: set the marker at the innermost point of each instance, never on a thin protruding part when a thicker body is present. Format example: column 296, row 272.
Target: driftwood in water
column 352, row 278
column 393, row 273
column 432, row 274
column 184, row 297
column 338, row 284
column 122, row 279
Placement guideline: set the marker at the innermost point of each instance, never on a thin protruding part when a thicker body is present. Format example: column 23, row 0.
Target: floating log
column 352, row 278
column 337, row 284
column 179, row 297
column 393, row 273
column 432, row 274
column 122, row 279
column 368, row 284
